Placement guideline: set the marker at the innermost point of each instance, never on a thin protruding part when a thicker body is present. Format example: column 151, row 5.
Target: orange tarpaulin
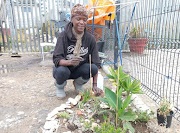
column 101, row 14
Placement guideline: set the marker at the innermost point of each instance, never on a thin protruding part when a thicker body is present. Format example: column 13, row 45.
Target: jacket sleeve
column 58, row 51
column 94, row 53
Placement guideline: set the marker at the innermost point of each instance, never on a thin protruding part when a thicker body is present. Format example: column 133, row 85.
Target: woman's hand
column 75, row 61
column 97, row 91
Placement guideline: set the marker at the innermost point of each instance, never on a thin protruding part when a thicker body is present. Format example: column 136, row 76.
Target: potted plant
column 137, row 41
column 164, row 114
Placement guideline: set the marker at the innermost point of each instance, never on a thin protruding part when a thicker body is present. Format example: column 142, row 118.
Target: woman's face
column 79, row 23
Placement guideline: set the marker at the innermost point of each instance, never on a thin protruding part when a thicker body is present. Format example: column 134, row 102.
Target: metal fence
column 158, row 66
column 26, row 23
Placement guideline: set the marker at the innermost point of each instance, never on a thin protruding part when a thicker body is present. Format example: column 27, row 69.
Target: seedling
column 63, row 115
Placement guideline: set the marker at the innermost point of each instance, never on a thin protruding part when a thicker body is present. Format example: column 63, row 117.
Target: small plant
column 108, row 128
column 63, row 115
column 136, row 32
column 137, row 40
column 96, row 105
column 164, row 113
column 87, row 125
column 144, row 116
column 116, row 101
column 86, row 96
column 164, row 107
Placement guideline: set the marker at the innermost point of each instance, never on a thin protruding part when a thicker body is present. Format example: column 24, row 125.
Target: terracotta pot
column 137, row 45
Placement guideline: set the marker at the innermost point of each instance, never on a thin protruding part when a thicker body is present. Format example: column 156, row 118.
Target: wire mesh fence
column 155, row 59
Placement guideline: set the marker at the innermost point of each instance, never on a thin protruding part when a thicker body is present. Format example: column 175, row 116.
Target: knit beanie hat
column 79, row 9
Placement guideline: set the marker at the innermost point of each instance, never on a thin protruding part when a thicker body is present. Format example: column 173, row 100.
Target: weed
column 86, row 96
column 63, row 115
column 108, row 128
column 144, row 116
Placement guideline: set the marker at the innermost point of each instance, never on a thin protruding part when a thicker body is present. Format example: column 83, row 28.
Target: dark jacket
column 65, row 46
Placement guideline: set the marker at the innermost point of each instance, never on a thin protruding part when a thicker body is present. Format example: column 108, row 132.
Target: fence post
column 116, row 38
column 11, row 25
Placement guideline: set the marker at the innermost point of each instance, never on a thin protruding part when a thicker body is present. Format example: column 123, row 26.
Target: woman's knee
column 61, row 72
column 94, row 70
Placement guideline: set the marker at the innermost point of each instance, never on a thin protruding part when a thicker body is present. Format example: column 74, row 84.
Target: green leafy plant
column 144, row 116
column 96, row 105
column 86, row 96
column 115, row 99
column 124, row 83
column 136, row 32
column 108, row 128
column 63, row 115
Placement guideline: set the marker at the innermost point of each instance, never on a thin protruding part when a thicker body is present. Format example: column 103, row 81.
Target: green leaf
column 128, row 116
column 111, row 97
column 113, row 73
column 127, row 125
column 110, row 76
column 102, row 99
column 120, row 92
column 127, row 101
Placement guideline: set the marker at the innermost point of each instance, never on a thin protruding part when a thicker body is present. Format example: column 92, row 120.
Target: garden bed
column 112, row 112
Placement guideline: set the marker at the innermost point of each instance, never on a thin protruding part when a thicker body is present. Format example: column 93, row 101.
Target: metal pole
column 11, row 26
column 116, row 38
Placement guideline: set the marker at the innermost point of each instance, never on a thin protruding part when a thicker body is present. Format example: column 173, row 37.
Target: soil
column 140, row 127
column 27, row 93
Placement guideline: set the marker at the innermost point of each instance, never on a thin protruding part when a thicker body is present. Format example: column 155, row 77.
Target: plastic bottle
column 100, row 81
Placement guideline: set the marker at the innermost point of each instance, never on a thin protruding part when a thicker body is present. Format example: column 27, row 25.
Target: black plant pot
column 165, row 120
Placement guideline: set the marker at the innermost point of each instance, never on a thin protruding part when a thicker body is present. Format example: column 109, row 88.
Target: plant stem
column 117, row 99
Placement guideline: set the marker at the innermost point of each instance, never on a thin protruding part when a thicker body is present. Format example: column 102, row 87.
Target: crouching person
column 71, row 54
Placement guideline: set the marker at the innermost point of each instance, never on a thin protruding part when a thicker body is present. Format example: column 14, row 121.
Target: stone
column 89, row 111
column 20, row 113
column 79, row 112
column 94, row 125
column 87, row 120
column 59, row 109
column 50, row 124
column 68, row 102
column 51, row 114
column 69, row 111
column 77, row 122
column 67, row 132
column 78, row 98
column 104, row 106
column 88, row 105
column 65, row 120
column 98, row 121
column 73, row 101
column 66, row 106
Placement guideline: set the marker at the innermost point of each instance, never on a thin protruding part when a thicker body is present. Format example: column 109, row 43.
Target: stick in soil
column 90, row 73
column 117, row 99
